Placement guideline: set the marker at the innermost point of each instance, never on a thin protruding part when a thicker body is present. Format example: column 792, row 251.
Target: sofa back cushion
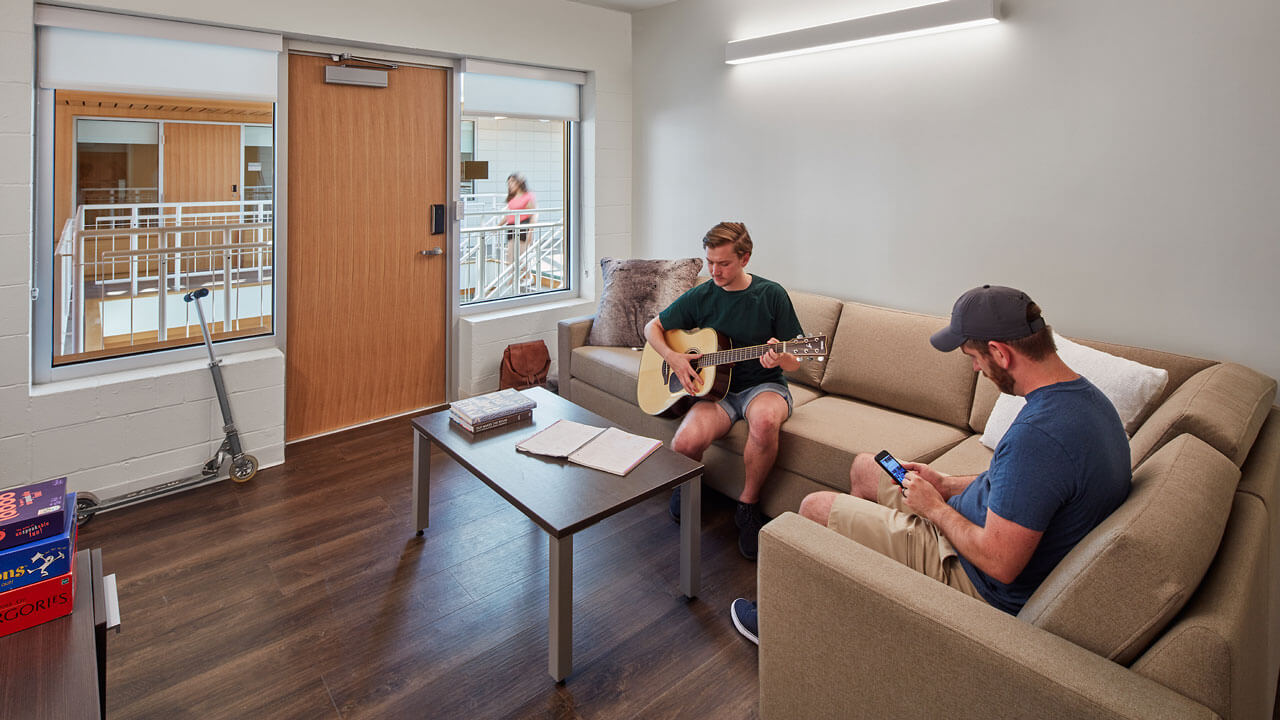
column 1179, row 367
column 1119, row 587
column 1224, row 405
column 818, row 315
column 883, row 356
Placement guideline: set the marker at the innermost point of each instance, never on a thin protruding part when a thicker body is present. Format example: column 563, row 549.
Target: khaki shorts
column 892, row 529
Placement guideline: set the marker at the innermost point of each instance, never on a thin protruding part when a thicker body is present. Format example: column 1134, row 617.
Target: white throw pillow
column 1130, row 386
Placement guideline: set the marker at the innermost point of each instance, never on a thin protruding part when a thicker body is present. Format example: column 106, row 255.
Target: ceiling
column 624, row 5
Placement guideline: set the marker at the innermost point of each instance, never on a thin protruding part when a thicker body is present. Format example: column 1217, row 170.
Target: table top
column 51, row 670
column 560, row 496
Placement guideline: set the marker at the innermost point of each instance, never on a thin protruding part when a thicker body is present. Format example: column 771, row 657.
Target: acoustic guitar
column 658, row 389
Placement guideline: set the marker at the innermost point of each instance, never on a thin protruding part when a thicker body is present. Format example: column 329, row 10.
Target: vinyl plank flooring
column 305, row 593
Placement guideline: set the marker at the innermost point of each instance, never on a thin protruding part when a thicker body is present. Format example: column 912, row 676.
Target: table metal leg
column 560, row 629
column 421, row 480
column 691, row 537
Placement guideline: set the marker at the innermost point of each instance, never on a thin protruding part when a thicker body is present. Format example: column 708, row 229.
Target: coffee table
column 561, row 497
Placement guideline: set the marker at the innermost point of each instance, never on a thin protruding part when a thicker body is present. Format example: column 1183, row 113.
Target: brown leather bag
column 524, row 365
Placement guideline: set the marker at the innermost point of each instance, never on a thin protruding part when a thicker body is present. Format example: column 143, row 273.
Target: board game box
column 41, row 560
column 36, row 603
column 32, row 512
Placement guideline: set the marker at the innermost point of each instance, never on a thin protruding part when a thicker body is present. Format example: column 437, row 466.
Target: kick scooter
column 243, row 465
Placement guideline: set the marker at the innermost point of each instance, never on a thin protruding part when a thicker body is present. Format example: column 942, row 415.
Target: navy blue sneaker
column 745, row 619
column 673, row 507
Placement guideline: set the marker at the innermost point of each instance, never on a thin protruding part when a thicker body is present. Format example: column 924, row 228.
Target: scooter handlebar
column 195, row 294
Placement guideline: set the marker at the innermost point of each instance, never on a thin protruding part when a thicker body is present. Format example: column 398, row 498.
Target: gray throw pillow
column 634, row 292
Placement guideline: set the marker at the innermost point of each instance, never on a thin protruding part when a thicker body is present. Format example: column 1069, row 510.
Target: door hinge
column 35, row 294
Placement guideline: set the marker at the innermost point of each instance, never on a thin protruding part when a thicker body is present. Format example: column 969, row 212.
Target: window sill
column 180, row 367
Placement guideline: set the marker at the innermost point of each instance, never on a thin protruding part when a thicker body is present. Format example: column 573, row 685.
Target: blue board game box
column 32, row 512
column 43, row 559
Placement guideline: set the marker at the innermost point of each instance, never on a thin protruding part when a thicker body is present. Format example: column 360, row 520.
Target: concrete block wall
column 117, row 432
column 125, row 431
column 487, row 335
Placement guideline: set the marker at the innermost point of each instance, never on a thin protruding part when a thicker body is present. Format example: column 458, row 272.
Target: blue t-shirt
column 1062, row 468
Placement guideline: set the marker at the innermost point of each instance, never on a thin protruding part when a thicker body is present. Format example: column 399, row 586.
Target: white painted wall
column 1117, row 160
column 113, row 434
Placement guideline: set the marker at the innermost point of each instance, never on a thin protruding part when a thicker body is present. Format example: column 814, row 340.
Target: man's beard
column 1001, row 377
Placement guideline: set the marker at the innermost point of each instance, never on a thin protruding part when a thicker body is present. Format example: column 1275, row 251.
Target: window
column 517, row 140
column 505, row 253
column 156, row 174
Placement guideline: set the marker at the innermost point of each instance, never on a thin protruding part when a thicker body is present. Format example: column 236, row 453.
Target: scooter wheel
column 244, row 468
column 85, row 504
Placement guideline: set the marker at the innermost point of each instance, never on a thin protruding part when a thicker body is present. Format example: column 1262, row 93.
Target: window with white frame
column 156, row 173
column 517, row 140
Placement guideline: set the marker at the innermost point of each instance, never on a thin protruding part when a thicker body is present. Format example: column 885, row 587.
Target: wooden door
column 201, row 162
column 366, row 322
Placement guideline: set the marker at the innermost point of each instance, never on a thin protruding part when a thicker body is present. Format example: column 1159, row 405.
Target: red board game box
column 32, row 512
column 38, row 603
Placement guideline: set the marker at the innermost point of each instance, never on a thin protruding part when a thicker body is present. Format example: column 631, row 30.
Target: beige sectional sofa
column 1171, row 608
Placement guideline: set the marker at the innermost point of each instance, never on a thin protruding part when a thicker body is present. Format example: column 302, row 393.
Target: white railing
column 133, row 261
column 500, row 260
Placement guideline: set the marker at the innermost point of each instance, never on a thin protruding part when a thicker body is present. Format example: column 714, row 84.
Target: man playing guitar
column 749, row 310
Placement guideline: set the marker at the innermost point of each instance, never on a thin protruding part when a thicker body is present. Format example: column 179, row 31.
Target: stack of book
column 37, row 545
column 485, row 412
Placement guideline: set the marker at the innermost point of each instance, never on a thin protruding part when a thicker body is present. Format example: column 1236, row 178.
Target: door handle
column 432, row 251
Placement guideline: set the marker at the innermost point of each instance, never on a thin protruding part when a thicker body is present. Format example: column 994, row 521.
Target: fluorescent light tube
column 920, row 20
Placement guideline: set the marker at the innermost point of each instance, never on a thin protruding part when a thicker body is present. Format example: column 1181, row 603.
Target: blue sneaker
column 673, row 507
column 745, row 619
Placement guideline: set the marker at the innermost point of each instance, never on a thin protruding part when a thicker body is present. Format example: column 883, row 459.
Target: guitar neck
column 733, row 355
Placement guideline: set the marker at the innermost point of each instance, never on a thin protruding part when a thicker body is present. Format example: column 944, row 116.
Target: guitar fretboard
column 733, row 355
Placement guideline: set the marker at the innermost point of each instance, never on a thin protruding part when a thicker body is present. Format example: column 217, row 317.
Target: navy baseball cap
column 990, row 312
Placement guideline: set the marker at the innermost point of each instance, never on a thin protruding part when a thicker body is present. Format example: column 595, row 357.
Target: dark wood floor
column 304, row 594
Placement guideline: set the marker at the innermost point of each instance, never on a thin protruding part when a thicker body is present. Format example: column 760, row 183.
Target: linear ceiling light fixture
column 921, row 20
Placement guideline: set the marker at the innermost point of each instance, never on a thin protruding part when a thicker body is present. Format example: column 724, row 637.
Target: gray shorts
column 735, row 403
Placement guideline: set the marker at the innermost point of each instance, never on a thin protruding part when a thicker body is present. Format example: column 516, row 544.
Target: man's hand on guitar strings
column 680, row 365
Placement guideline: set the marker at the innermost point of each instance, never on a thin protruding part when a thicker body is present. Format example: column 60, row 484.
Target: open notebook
column 608, row 449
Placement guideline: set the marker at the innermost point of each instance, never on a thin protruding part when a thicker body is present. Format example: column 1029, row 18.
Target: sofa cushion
column 1130, row 386
column 1224, row 405
column 818, row 315
column 1119, row 587
column 883, row 356
column 970, row 457
column 1179, row 367
column 612, row 369
column 823, row 435
column 634, row 292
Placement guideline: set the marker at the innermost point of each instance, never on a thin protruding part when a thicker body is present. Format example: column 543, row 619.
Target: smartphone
column 892, row 466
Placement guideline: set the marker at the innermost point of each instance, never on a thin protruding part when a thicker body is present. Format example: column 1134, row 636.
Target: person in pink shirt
column 519, row 198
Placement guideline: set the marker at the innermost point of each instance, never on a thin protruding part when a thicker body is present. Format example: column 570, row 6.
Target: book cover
column 36, row 603
column 32, row 512
column 481, row 408
column 34, row 562
column 491, row 424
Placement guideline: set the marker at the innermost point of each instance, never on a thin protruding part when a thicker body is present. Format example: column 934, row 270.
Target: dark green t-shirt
column 747, row 317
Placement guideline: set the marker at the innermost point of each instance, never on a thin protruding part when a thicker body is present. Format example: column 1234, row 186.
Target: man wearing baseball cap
column 1060, row 469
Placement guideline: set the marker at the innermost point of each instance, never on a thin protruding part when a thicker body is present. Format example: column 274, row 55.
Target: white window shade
column 490, row 88
column 77, row 59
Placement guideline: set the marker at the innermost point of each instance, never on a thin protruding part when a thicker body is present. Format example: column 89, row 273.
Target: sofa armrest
column 847, row 632
column 571, row 333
